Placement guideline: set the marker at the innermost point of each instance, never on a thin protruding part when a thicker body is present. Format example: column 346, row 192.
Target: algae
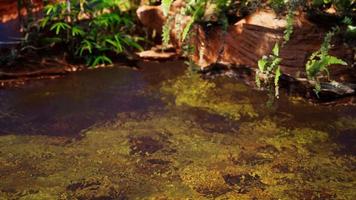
column 192, row 90
column 207, row 140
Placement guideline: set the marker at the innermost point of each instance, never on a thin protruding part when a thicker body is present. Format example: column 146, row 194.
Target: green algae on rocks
column 192, row 90
column 166, row 155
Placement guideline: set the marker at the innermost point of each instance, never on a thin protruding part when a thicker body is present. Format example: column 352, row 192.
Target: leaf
column 60, row 26
column 166, row 34
column 332, row 60
column 50, row 8
column 76, row 30
column 275, row 50
column 277, row 75
column 101, row 59
column 262, row 64
column 187, row 29
column 257, row 79
column 131, row 42
column 43, row 22
column 166, row 5
column 86, row 45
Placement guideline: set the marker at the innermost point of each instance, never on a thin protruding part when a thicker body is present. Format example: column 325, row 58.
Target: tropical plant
column 269, row 69
column 199, row 11
column 92, row 30
column 320, row 60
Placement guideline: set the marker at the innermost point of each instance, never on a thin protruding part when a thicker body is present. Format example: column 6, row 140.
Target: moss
column 297, row 139
column 208, row 182
column 168, row 154
column 194, row 91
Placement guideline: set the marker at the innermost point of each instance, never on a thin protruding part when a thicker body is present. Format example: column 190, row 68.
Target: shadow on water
column 67, row 106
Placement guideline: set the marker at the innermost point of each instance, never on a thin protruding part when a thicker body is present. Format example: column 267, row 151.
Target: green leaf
column 115, row 43
column 166, row 5
column 43, row 22
column 332, row 60
column 59, row 26
column 86, row 45
column 257, row 79
column 76, row 30
column 101, row 60
column 131, row 42
column 166, row 34
column 275, row 50
column 262, row 64
column 187, row 29
column 277, row 75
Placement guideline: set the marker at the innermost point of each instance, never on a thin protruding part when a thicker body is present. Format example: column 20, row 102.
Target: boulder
column 151, row 17
column 245, row 42
column 254, row 36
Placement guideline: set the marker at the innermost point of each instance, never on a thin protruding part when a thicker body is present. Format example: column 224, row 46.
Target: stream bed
column 164, row 132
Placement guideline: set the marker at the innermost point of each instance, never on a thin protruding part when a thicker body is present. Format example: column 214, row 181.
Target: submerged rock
column 95, row 189
column 144, row 145
column 244, row 182
column 208, row 182
column 194, row 91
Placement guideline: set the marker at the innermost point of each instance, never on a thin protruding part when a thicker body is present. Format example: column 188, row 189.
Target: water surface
column 164, row 132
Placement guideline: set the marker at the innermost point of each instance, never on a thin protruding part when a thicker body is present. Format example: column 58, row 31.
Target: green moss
column 190, row 89
column 169, row 155
column 208, row 182
column 297, row 139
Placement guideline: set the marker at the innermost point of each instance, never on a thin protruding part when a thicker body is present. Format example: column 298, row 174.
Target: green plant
column 269, row 69
column 320, row 60
column 199, row 11
column 93, row 30
column 289, row 29
column 277, row 5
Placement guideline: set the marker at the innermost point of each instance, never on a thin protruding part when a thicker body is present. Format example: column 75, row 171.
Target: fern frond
column 166, row 34
column 166, row 5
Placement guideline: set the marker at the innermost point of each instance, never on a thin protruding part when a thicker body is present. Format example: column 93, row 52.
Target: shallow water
column 163, row 132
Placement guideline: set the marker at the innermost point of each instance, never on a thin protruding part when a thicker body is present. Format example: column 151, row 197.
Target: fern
column 289, row 29
column 103, row 60
column 77, row 31
column 59, row 26
column 166, row 5
column 166, row 33
column 320, row 60
column 269, row 66
column 187, row 29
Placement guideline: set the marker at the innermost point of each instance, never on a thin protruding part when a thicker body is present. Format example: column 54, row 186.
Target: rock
column 246, row 41
column 151, row 17
column 156, row 55
column 144, row 145
column 9, row 9
column 95, row 189
column 244, row 182
column 204, row 181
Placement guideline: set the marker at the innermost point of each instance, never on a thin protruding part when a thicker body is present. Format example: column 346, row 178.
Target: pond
column 164, row 132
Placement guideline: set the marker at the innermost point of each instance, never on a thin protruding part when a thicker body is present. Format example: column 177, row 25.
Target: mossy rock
column 208, row 182
column 192, row 90
column 95, row 189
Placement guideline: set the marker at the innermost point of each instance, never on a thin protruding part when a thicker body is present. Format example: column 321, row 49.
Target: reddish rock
column 9, row 9
column 245, row 42
column 248, row 40
column 151, row 17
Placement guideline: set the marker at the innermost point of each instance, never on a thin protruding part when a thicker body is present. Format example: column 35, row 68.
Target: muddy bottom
column 163, row 132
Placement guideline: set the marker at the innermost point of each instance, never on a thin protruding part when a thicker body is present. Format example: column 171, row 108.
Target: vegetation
column 198, row 11
column 94, row 30
column 319, row 61
column 98, row 31
column 269, row 68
